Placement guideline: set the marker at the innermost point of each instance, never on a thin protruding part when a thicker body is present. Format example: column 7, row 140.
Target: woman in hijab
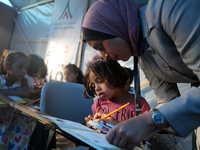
column 165, row 36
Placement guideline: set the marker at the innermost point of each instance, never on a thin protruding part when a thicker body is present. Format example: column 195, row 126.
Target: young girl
column 41, row 80
column 107, row 79
column 73, row 74
column 36, row 64
column 14, row 127
column 16, row 65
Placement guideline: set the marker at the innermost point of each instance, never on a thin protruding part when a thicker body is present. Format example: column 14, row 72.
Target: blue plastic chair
column 65, row 100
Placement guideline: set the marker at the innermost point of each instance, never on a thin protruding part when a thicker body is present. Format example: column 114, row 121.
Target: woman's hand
column 130, row 133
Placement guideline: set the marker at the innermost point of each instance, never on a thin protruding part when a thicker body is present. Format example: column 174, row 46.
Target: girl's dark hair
column 36, row 63
column 107, row 70
column 130, row 74
column 11, row 57
column 76, row 70
column 44, row 72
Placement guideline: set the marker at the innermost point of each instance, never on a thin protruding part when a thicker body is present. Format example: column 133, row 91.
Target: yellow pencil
column 33, row 101
column 115, row 111
column 98, row 108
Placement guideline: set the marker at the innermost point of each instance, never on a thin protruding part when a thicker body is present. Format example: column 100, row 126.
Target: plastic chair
column 65, row 100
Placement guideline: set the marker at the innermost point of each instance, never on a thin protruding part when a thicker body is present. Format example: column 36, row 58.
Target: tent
column 26, row 27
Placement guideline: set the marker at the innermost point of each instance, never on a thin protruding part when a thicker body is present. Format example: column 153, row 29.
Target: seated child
column 36, row 64
column 15, row 128
column 14, row 79
column 73, row 74
column 107, row 80
column 41, row 79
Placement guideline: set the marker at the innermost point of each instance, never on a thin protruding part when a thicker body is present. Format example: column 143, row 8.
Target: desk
column 27, row 100
column 33, row 115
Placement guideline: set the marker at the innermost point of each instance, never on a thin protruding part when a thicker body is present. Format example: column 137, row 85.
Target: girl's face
column 70, row 76
column 37, row 75
column 18, row 69
column 101, row 88
column 116, row 48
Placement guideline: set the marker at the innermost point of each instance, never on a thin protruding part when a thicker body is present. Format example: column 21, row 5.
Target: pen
column 36, row 81
column 115, row 111
column 33, row 101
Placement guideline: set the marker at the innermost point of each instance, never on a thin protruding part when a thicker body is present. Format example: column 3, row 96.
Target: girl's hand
column 111, row 120
column 89, row 117
column 98, row 116
column 36, row 86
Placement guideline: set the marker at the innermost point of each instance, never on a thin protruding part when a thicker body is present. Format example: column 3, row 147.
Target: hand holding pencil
column 98, row 116
column 108, row 115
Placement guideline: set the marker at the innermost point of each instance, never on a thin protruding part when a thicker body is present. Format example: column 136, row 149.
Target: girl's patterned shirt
column 3, row 86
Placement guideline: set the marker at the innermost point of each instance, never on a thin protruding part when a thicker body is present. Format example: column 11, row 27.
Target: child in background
column 36, row 64
column 37, row 87
column 73, row 74
column 16, row 69
column 15, row 128
column 41, row 80
column 107, row 79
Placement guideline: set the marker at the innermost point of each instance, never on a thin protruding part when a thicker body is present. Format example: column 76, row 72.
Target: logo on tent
column 66, row 12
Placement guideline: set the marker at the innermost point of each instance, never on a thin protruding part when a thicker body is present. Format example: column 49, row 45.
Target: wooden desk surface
column 24, row 109
column 27, row 100
column 33, row 113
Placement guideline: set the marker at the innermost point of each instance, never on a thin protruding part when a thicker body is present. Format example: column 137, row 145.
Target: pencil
column 115, row 111
column 33, row 101
column 98, row 108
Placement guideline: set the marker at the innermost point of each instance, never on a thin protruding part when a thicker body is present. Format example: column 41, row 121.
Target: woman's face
column 115, row 49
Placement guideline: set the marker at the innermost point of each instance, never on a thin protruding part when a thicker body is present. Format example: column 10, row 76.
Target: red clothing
column 108, row 106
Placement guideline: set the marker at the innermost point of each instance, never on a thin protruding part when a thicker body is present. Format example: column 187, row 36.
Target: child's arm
column 24, row 91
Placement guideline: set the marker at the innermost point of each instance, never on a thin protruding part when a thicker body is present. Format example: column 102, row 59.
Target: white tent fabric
column 18, row 4
column 32, row 30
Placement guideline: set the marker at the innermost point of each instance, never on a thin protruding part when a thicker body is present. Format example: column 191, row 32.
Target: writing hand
column 130, row 133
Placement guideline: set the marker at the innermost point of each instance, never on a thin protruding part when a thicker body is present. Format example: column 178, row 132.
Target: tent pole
column 81, row 41
column 24, row 36
column 36, row 4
